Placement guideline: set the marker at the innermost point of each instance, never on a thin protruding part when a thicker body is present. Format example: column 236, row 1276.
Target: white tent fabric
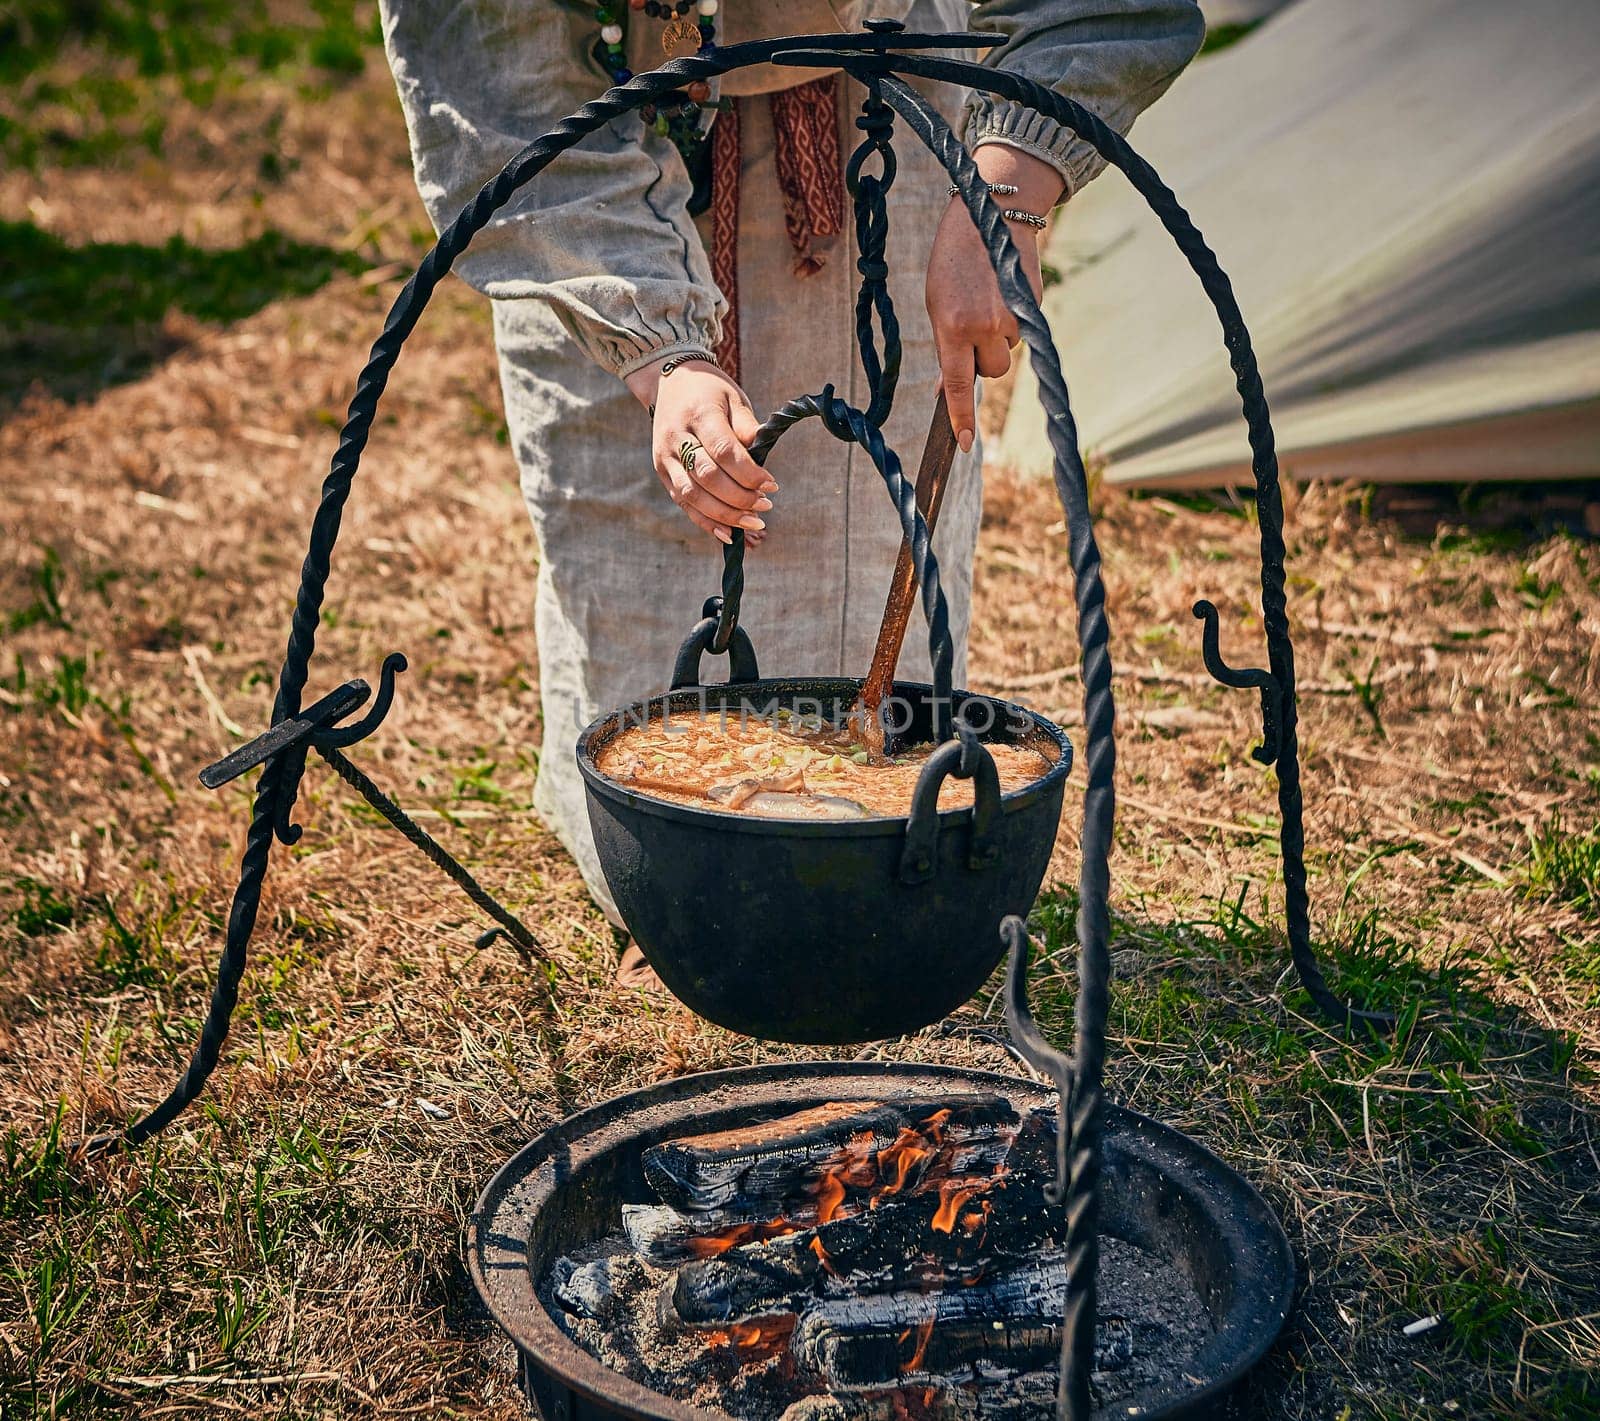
column 1407, row 199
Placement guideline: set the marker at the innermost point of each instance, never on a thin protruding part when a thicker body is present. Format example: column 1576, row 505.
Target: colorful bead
column 681, row 124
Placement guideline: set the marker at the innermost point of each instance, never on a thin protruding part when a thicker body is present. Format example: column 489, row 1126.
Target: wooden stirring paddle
column 932, row 475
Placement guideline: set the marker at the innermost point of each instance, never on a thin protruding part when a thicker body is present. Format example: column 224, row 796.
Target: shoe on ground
column 634, row 972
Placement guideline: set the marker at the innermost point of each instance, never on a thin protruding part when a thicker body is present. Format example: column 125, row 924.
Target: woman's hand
column 973, row 331
column 702, row 425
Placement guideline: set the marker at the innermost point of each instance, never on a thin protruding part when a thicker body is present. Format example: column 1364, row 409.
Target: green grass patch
column 76, row 319
column 1204, row 987
column 41, row 910
column 87, row 81
column 45, row 609
column 1564, row 865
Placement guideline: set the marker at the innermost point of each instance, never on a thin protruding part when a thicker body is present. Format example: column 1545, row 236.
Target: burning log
column 879, row 1336
column 883, row 1250
column 773, row 1162
column 665, row 1236
column 920, row 1212
column 1007, row 1324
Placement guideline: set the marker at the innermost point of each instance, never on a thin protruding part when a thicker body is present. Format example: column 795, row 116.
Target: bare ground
column 293, row 1247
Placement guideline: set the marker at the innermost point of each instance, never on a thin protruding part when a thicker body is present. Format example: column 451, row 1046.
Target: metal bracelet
column 668, row 366
column 1016, row 214
column 995, row 189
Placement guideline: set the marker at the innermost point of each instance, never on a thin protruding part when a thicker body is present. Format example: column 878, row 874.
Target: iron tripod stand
column 880, row 60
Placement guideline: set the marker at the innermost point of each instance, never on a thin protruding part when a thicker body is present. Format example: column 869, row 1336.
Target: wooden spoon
column 938, row 453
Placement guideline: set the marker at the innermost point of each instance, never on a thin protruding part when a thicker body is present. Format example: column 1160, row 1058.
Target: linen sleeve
column 1115, row 57
column 603, row 234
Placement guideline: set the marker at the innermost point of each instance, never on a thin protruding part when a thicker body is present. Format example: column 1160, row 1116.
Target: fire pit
column 1162, row 1195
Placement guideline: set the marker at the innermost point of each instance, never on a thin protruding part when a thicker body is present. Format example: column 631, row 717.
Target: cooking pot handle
column 966, row 759
column 741, row 651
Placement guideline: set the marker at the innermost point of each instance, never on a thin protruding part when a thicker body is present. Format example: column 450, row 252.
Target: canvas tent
column 1407, row 199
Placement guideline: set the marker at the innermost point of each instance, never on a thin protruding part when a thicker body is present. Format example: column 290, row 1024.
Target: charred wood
column 594, row 1289
column 1028, row 1397
column 947, row 1237
column 1008, row 1326
column 775, row 1160
column 665, row 1236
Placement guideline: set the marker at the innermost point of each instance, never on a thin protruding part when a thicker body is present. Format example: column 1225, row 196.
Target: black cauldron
column 827, row 931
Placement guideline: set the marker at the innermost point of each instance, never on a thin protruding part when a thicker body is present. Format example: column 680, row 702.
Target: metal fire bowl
column 804, row 931
column 1161, row 1191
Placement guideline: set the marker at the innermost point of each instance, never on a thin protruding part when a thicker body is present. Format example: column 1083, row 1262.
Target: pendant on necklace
column 680, row 38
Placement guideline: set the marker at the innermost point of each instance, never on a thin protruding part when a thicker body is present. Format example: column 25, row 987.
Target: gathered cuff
column 636, row 356
column 991, row 120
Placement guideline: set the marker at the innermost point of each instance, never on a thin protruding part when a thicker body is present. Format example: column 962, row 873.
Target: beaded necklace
column 680, row 36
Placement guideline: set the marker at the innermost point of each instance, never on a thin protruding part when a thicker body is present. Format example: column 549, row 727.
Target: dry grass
column 294, row 1247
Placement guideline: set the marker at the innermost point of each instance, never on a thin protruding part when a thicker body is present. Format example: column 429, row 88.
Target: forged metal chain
column 870, row 194
column 869, row 200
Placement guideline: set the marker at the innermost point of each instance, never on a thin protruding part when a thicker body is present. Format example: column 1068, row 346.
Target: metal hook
column 1243, row 678
column 1030, row 1042
column 337, row 737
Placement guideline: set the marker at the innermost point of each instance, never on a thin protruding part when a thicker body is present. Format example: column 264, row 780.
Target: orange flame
column 711, row 1245
column 917, row 1163
column 756, row 1340
column 934, row 1125
column 924, row 1331
column 830, row 1195
column 953, row 1197
column 897, row 1160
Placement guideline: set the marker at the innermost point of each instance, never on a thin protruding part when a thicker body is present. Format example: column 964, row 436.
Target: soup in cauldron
column 786, row 766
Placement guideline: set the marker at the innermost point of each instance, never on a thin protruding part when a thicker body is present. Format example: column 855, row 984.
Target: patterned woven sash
column 805, row 121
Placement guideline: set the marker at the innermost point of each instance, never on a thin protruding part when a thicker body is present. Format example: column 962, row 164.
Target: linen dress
column 596, row 269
